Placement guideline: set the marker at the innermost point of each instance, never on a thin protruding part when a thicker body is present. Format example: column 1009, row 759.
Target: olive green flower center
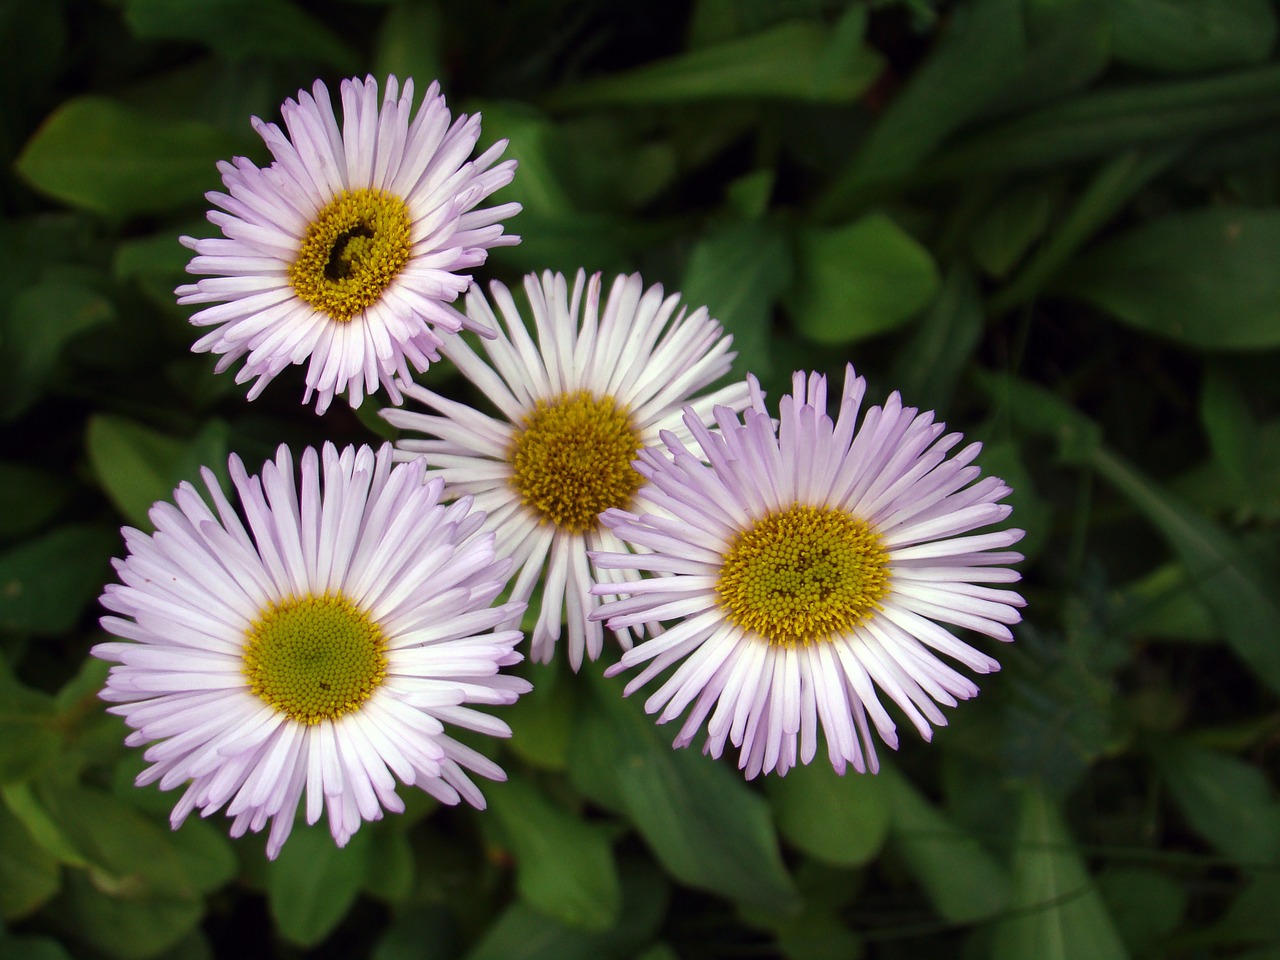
column 803, row 575
column 314, row 658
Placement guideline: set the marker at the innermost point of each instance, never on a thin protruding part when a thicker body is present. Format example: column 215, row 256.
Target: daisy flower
column 811, row 566
column 320, row 649
column 574, row 410
column 345, row 252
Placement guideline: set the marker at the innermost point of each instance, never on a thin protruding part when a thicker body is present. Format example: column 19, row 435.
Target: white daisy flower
column 345, row 252
column 809, row 566
column 574, row 409
column 320, row 649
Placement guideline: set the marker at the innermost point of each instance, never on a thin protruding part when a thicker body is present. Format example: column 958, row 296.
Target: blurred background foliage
column 1055, row 221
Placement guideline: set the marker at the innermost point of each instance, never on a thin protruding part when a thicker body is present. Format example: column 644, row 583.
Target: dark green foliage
column 1057, row 222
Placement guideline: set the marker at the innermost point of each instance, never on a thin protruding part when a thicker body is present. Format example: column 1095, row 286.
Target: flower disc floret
column 352, row 251
column 314, row 658
column 571, row 459
column 803, row 575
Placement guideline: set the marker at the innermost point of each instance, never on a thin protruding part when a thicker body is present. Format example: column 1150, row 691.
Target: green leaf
column 29, row 498
column 1229, row 423
column 99, row 155
column 799, row 60
column 963, row 880
column 46, row 583
column 392, row 881
column 32, row 948
column 542, row 720
column 1017, row 220
column 314, row 882
column 974, row 60
column 1055, row 911
column 1237, row 584
column 138, row 466
column 813, row 935
column 564, row 866
column 835, row 819
column 929, row 367
column 1226, row 801
column 1199, row 277
column 858, row 280
column 137, row 897
column 740, row 272
column 421, row 933
column 522, row 933
column 702, row 822
column 29, row 873
column 1147, row 906
column 27, row 808
column 43, row 320
column 239, row 29
column 410, row 43
column 1109, row 120
column 1190, row 36
column 28, row 739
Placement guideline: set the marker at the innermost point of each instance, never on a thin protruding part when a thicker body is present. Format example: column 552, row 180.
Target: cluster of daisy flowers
column 776, row 577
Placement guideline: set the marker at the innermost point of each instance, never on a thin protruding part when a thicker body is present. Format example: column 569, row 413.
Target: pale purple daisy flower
column 319, row 649
column 345, row 252
column 574, row 409
column 810, row 565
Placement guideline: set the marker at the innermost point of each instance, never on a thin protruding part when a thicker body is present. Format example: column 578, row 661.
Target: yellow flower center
column 314, row 658
column 572, row 459
column 352, row 251
column 803, row 575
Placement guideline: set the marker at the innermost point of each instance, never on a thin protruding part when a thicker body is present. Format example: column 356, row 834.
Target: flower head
column 574, row 411
column 319, row 650
column 810, row 565
column 344, row 253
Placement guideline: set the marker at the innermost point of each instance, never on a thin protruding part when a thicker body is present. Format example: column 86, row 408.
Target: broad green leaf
column 564, row 866
column 42, row 321
column 835, row 819
column 22, row 802
column 813, row 935
column 206, row 854
column 1146, row 904
column 1013, row 223
column 29, row 498
column 1252, row 917
column 426, row 932
column 963, row 880
column 410, row 43
column 1106, row 121
column 1055, row 912
column 138, row 896
column 799, row 60
column 1199, row 277
column 522, row 933
column 929, row 367
column 239, row 29
column 28, row 738
column 1237, row 584
column 32, row 948
column 392, row 879
column 542, row 720
column 855, row 281
column 1164, row 605
column 314, row 882
column 45, row 583
column 1226, row 801
column 138, row 466
column 1113, row 186
column 29, row 873
column 974, row 59
column 1229, row 423
column 1190, row 36
column 702, row 822
column 99, row 155
column 740, row 272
